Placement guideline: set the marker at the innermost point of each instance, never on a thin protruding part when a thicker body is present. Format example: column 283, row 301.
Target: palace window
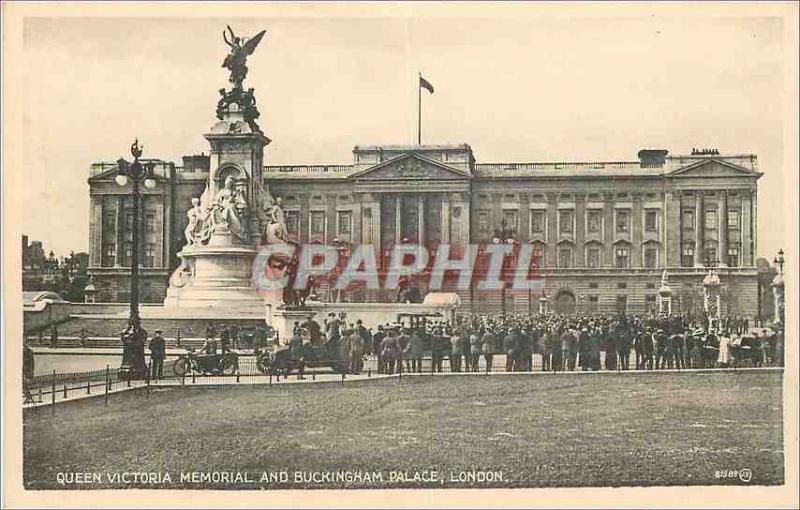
column 537, row 222
column 483, row 220
column 564, row 258
column 149, row 259
column 511, row 217
column 344, row 222
column 711, row 220
column 594, row 221
column 711, row 259
column 594, row 285
column 109, row 221
column 688, row 220
column 565, row 221
column 651, row 221
column 594, row 302
column 150, row 222
column 593, row 257
column 317, row 223
column 623, row 220
column 621, row 257
column 293, row 222
column 651, row 257
column 537, row 256
column 687, row 255
column 109, row 254
column 129, row 227
column 733, row 220
column 733, row 256
column 127, row 254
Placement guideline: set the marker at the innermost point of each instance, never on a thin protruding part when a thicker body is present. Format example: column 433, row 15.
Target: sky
column 516, row 88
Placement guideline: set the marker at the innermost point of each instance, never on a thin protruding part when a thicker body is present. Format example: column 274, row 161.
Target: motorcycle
column 225, row 364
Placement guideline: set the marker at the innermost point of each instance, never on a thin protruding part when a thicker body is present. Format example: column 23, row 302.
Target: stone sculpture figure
column 228, row 210
column 276, row 227
column 195, row 226
column 241, row 48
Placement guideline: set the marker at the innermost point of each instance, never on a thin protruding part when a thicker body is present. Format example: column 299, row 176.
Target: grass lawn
column 534, row 431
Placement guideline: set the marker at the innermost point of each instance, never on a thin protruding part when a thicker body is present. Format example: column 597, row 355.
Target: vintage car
column 747, row 351
column 281, row 361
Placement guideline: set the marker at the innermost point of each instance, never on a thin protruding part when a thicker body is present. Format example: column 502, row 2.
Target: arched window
column 622, row 255
column 650, row 255
column 594, row 255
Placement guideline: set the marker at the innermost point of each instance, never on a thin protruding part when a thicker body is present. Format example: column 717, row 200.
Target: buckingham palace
column 602, row 233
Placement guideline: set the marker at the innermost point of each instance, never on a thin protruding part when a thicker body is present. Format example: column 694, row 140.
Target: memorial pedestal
column 283, row 321
column 217, row 276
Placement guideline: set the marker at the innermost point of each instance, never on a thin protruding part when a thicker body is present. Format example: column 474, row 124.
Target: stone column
column 355, row 234
column 445, row 218
column 421, row 219
column 699, row 223
column 580, row 234
column 609, row 230
column 672, row 230
column 636, row 229
column 398, row 219
column 746, row 234
column 551, row 251
column 96, row 230
column 466, row 208
column 166, row 228
column 722, row 207
column 120, row 229
column 754, row 228
column 376, row 225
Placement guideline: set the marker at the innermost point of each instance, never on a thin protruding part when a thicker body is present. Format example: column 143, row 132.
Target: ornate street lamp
column 503, row 235
column 133, row 338
column 779, row 260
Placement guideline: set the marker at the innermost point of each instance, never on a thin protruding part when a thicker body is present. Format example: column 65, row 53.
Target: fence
column 59, row 387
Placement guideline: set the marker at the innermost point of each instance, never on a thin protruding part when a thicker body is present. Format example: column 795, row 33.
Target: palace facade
column 602, row 232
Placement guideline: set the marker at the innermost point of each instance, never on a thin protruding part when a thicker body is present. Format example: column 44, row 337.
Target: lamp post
column 503, row 235
column 133, row 338
column 778, row 289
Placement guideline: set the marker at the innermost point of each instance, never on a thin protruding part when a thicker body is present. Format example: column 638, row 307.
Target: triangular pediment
column 713, row 168
column 411, row 166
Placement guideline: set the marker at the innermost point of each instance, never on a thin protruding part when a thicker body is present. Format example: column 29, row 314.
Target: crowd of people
column 564, row 342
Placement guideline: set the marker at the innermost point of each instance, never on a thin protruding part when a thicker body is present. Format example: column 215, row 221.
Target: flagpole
column 419, row 109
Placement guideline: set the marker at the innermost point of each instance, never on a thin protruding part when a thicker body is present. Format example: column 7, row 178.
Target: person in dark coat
column 595, row 346
column 439, row 345
column 488, row 343
column 416, row 350
column 158, row 352
column 296, row 353
column 584, row 346
column 557, row 359
column 623, row 347
column 511, row 345
column 661, row 340
column 611, row 350
column 545, row 349
column 377, row 339
column 27, row 364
